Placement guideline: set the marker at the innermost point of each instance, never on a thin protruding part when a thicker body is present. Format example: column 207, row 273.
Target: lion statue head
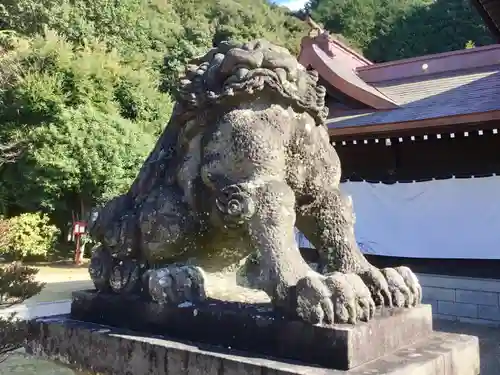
column 232, row 72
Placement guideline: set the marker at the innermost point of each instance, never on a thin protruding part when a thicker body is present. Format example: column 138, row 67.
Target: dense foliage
column 393, row 29
column 17, row 283
column 85, row 119
column 86, row 87
column 148, row 30
column 26, row 235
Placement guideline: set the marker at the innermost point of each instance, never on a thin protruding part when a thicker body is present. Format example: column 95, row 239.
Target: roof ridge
column 430, row 57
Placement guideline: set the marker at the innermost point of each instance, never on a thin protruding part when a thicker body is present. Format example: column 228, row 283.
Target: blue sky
column 292, row 4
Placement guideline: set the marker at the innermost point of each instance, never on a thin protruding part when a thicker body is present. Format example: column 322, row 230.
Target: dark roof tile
column 439, row 96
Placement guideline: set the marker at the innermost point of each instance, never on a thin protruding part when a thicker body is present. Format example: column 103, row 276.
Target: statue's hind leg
column 155, row 233
column 164, row 223
column 168, row 230
column 179, row 244
column 115, row 264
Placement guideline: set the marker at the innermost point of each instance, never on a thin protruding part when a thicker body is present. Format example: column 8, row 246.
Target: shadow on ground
column 489, row 342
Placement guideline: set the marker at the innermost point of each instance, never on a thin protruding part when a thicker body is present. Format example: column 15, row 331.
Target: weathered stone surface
column 259, row 329
column 245, row 158
column 108, row 351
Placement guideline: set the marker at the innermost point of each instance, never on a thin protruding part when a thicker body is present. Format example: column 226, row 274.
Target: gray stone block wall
column 464, row 299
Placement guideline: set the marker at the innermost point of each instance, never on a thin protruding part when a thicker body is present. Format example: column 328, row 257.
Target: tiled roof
column 346, row 72
column 447, row 94
column 406, row 92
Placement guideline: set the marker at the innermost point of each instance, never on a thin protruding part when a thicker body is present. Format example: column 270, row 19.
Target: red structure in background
column 79, row 228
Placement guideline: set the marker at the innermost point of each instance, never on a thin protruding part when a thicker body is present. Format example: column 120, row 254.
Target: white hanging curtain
column 454, row 218
column 302, row 240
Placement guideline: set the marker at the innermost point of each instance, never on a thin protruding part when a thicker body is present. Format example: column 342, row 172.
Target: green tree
column 359, row 21
column 393, row 29
column 27, row 235
column 431, row 27
column 85, row 119
column 148, row 31
column 470, row 44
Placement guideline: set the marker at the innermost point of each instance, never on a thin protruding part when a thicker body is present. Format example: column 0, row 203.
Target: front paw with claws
column 334, row 298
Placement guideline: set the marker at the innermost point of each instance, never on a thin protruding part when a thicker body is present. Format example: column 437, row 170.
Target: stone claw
column 334, row 298
column 378, row 286
column 401, row 295
column 177, row 284
column 412, row 283
column 393, row 287
column 365, row 302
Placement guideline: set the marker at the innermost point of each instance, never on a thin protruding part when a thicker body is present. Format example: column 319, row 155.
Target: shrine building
column 419, row 144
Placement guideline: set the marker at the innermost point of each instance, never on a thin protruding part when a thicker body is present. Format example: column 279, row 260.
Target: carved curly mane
column 231, row 70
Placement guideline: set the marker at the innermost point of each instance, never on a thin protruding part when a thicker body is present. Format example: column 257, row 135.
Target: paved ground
column 62, row 281
column 489, row 342
column 20, row 364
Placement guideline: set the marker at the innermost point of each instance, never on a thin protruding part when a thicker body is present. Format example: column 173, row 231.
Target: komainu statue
column 244, row 159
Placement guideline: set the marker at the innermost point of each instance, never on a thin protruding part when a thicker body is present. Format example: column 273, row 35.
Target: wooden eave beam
column 432, row 123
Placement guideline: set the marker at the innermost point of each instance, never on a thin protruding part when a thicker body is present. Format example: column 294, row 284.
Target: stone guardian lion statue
column 244, row 159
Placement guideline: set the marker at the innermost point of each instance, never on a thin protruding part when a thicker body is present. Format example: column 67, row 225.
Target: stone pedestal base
column 104, row 350
column 259, row 329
